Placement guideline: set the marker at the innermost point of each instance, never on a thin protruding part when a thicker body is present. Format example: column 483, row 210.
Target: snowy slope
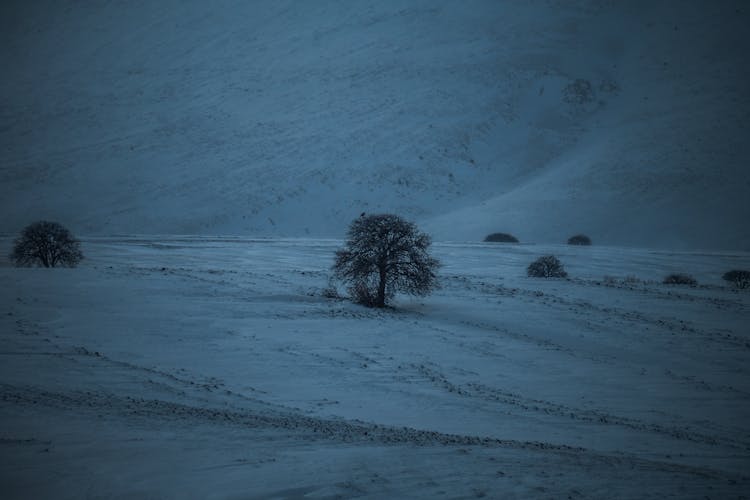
column 215, row 368
column 624, row 120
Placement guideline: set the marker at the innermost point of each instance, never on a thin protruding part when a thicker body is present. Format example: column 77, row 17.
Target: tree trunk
column 381, row 287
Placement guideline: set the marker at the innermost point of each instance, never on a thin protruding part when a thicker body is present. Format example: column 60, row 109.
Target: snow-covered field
column 176, row 367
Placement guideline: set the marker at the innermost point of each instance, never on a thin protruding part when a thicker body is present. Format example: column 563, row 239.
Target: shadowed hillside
column 623, row 120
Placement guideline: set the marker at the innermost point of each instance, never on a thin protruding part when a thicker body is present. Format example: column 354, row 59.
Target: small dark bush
column 679, row 279
column 579, row 92
column 363, row 294
column 629, row 280
column 47, row 244
column 579, row 239
column 738, row 277
column 501, row 238
column 548, row 266
column 331, row 291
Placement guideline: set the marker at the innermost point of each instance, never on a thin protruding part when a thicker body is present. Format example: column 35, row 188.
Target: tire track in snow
column 160, row 379
column 544, row 343
column 494, row 395
column 577, row 306
column 292, row 425
column 210, row 384
column 652, row 289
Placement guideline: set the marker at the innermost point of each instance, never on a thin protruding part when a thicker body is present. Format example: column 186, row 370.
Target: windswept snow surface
column 214, row 368
column 625, row 120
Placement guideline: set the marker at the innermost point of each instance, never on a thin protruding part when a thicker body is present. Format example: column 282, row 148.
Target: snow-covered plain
column 183, row 367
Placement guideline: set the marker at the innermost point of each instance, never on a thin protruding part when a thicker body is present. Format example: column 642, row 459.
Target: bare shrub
column 609, row 86
column 679, row 279
column 737, row 277
column 579, row 92
column 629, row 280
column 364, row 294
column 501, row 238
column 579, row 239
column 548, row 266
column 331, row 291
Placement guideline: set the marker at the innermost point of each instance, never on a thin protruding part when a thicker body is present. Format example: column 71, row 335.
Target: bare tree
column 385, row 254
column 47, row 244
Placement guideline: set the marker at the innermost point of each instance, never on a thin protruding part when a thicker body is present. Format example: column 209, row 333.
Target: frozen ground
column 214, row 368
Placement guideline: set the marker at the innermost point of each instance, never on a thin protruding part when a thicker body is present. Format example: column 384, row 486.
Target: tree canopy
column 47, row 244
column 385, row 254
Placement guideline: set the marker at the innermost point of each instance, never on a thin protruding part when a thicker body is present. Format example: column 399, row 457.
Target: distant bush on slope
column 738, row 277
column 679, row 279
column 548, row 266
column 579, row 239
column 579, row 92
column 501, row 238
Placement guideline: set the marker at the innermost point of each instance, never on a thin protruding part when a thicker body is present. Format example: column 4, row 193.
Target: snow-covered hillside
column 215, row 368
column 624, row 120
